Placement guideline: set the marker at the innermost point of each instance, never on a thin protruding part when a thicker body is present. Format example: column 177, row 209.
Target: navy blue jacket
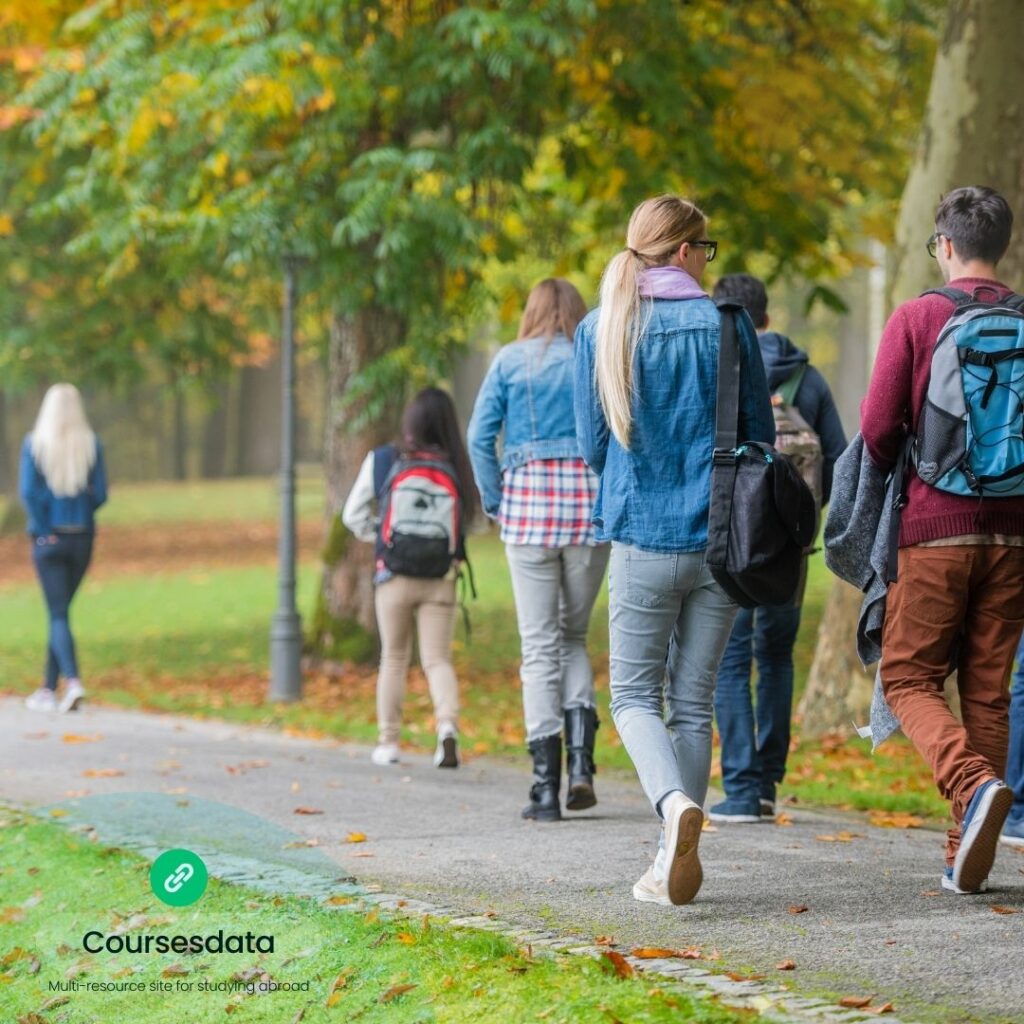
column 813, row 399
column 47, row 512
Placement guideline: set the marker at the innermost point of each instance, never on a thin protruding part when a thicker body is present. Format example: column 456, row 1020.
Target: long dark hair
column 430, row 422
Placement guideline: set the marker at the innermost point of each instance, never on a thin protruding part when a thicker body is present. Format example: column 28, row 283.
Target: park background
column 423, row 164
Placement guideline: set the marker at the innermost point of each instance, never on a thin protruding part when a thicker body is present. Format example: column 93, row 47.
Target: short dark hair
column 977, row 220
column 748, row 291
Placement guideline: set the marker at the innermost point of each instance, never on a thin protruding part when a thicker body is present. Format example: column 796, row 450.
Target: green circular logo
column 178, row 877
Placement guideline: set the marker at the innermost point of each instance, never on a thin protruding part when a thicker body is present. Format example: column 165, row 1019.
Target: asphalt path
column 876, row 921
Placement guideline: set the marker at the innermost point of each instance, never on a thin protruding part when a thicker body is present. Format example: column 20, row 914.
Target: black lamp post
column 286, row 626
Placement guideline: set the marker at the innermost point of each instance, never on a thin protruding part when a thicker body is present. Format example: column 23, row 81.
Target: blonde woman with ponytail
column 645, row 378
column 62, row 482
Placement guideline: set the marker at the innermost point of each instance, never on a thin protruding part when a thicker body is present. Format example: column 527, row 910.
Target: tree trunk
column 344, row 623
column 969, row 136
column 259, row 420
column 7, row 470
column 215, row 433
column 180, row 433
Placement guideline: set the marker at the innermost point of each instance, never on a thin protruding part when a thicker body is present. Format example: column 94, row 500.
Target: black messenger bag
column 762, row 517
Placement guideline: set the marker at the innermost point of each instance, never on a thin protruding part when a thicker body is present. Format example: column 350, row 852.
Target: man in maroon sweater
column 958, row 601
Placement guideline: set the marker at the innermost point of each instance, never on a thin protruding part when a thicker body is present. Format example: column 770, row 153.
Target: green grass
column 56, row 887
column 197, row 642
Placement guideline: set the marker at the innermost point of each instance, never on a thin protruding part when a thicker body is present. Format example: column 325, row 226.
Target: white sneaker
column 651, row 886
column 447, row 753
column 385, row 754
column 42, row 700
column 683, row 823
column 74, row 694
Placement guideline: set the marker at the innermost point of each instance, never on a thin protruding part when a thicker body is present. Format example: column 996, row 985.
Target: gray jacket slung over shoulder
column 856, row 550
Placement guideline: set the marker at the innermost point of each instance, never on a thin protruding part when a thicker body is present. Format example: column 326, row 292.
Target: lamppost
column 286, row 626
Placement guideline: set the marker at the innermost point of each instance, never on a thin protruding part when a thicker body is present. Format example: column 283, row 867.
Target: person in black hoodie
column 754, row 748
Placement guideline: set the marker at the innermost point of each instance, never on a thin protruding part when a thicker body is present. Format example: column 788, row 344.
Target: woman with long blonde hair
column 62, row 482
column 646, row 375
column 542, row 495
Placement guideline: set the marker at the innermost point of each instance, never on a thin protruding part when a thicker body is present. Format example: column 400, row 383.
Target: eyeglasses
column 933, row 242
column 709, row 246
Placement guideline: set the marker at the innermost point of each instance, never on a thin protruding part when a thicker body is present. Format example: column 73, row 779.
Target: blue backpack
column 970, row 435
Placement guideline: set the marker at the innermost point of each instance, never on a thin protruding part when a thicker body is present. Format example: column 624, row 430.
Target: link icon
column 178, row 877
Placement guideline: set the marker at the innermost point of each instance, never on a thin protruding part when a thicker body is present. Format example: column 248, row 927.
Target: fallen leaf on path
column 798, row 908
column 355, row 837
column 783, row 819
column 363, row 853
column 74, row 737
column 894, row 819
column 295, row 787
column 736, row 976
column 855, row 1002
column 931, row 892
column 997, row 909
column 341, row 901
column 884, row 1008
column 307, row 810
column 302, row 842
column 653, row 953
column 713, row 955
column 395, row 991
column 102, row 773
column 786, row 965
column 691, row 953
column 619, row 963
column 604, row 940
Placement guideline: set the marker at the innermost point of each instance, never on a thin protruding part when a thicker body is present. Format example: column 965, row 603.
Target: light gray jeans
column 669, row 622
column 555, row 590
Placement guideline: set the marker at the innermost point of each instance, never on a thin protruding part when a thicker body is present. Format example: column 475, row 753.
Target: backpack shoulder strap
column 384, row 459
column 787, row 391
column 957, row 297
column 1013, row 301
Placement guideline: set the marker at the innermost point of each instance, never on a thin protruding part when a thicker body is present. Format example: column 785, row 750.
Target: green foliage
column 160, row 161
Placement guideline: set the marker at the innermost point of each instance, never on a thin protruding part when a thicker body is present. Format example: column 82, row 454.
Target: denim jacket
column 656, row 494
column 528, row 392
column 47, row 512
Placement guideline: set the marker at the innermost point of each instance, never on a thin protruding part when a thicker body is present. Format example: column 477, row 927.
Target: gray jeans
column 669, row 622
column 555, row 590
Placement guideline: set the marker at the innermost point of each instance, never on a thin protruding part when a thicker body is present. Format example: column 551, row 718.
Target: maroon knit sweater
column 893, row 405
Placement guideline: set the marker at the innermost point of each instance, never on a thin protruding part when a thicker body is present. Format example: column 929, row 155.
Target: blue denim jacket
column 528, row 392
column 655, row 496
column 47, row 512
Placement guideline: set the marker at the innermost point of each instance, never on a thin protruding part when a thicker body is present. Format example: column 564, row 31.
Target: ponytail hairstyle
column 430, row 422
column 62, row 443
column 657, row 228
column 554, row 307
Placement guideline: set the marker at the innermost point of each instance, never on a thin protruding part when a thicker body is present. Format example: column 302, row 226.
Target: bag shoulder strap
column 957, row 297
column 787, row 391
column 384, row 459
column 1013, row 301
column 727, row 401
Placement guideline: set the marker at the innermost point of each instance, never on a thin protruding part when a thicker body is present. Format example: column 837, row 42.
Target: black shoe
column 580, row 731
column 547, row 777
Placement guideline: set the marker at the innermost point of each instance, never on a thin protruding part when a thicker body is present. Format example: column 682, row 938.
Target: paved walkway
column 875, row 921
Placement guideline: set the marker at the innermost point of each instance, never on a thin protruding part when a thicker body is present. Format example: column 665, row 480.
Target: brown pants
column 430, row 604
column 954, row 608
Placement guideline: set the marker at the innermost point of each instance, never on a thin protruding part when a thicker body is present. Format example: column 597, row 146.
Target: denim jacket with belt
column 528, row 393
column 655, row 495
column 46, row 511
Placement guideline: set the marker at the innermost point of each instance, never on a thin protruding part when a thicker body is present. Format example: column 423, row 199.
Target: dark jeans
column 1015, row 753
column 754, row 751
column 61, row 566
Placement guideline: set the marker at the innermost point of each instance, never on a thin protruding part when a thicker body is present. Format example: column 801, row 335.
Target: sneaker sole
column 73, row 706
column 643, row 896
column 685, row 874
column 581, row 796
column 977, row 861
column 1012, row 841
column 736, row 819
column 449, row 754
column 950, row 886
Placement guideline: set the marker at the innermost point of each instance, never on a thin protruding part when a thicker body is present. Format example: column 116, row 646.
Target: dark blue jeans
column 1015, row 752
column 754, row 750
column 61, row 566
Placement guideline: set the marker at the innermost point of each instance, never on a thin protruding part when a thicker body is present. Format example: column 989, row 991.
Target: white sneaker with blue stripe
column 979, row 837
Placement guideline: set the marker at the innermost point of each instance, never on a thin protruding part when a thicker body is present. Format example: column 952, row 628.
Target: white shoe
column 42, row 700
column 683, row 823
column 447, row 753
column 385, row 754
column 74, row 694
column 651, row 887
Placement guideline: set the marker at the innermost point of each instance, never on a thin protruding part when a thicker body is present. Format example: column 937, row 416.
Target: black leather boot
column 580, row 731
column 547, row 777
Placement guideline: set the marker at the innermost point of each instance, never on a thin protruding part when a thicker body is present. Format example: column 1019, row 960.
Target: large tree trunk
column 969, row 136
column 344, row 624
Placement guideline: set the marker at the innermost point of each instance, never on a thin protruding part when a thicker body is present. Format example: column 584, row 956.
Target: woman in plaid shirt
column 542, row 494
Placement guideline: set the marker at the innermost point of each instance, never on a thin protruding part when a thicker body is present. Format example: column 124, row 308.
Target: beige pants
column 400, row 602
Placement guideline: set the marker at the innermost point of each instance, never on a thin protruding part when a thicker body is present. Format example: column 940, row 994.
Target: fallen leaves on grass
column 855, row 1002
column 340, row 901
column 786, row 965
column 307, row 810
column 619, row 964
column 11, row 915
column 74, row 737
column 102, row 773
column 894, row 819
column 653, row 953
column 334, row 992
column 174, row 971
column 395, row 991
column 997, row 909
column 798, row 908
column 406, row 938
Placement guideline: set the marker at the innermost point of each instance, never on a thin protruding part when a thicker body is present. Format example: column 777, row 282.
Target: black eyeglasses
column 933, row 242
column 709, row 246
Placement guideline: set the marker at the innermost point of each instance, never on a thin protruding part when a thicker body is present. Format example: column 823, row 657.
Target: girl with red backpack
column 413, row 501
